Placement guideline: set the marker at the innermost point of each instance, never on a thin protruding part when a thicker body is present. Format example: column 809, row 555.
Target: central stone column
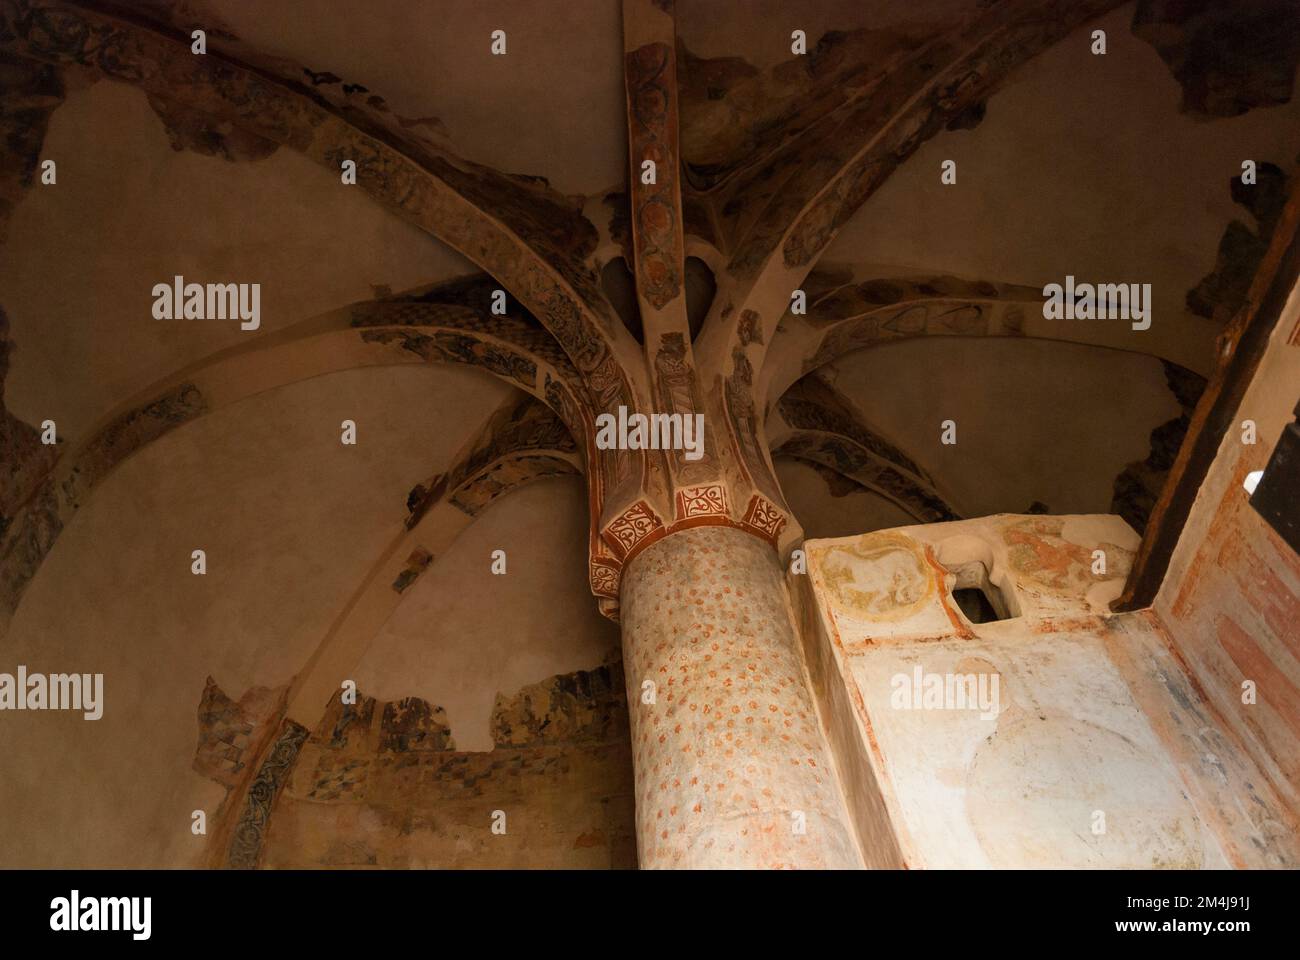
column 732, row 769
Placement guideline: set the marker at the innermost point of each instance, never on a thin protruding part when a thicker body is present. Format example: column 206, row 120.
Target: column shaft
column 732, row 769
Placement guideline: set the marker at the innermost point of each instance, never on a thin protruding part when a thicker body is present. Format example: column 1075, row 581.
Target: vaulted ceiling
column 1114, row 168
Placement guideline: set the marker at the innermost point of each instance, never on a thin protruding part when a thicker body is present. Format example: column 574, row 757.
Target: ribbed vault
column 759, row 166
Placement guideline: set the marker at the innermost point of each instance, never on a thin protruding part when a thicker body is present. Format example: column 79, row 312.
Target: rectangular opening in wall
column 976, row 596
column 975, row 604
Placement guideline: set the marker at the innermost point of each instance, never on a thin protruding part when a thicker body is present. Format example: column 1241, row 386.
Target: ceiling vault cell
column 447, row 324
column 522, row 441
column 816, row 179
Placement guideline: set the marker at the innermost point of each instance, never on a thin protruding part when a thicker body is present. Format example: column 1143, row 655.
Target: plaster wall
column 382, row 784
column 1059, row 736
column 534, row 621
column 1231, row 598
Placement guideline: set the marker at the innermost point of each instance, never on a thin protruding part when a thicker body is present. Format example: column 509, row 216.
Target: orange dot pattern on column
column 731, row 764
